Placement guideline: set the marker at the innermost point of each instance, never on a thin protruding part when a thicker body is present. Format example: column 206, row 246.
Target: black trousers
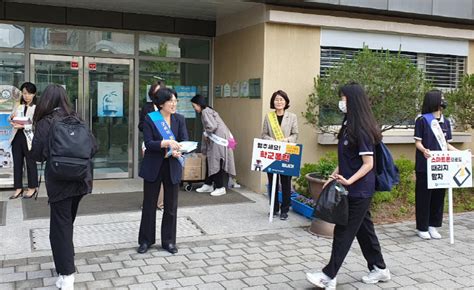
column 285, row 182
column 20, row 152
column 360, row 225
column 151, row 190
column 429, row 204
column 217, row 178
column 61, row 228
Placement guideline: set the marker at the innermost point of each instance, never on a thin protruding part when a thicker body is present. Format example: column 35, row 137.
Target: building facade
column 234, row 53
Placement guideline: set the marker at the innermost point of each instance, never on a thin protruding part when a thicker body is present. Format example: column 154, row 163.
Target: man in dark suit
column 157, row 168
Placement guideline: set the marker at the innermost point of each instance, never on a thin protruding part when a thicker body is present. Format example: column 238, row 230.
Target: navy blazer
column 154, row 154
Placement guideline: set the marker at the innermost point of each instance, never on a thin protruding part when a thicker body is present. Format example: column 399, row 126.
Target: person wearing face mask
column 357, row 137
column 432, row 132
column 162, row 163
column 280, row 125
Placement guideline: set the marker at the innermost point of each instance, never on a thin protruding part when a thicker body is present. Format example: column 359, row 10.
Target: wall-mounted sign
column 110, row 99
column 227, row 90
column 255, row 89
column 235, row 89
column 185, row 94
column 218, row 91
column 74, row 65
column 244, row 89
column 92, row 66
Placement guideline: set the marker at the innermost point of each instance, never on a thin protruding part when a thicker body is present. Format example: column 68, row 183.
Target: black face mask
column 444, row 104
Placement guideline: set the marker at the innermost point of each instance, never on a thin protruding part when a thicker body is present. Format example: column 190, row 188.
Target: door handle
column 90, row 113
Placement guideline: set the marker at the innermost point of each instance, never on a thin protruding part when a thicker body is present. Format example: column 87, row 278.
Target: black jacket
column 154, row 154
column 147, row 108
column 57, row 190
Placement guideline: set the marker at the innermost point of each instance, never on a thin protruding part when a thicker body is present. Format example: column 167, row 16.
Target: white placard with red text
column 449, row 169
column 276, row 157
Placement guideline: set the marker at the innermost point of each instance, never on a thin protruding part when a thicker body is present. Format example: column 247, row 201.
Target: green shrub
column 323, row 168
column 461, row 103
column 406, row 188
column 382, row 196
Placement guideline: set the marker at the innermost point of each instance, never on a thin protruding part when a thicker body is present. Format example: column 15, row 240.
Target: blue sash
column 433, row 124
column 165, row 131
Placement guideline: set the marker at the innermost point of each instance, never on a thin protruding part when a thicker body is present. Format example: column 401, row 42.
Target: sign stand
column 451, row 216
column 272, row 198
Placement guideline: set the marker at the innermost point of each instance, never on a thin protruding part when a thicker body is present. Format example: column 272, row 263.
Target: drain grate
column 112, row 233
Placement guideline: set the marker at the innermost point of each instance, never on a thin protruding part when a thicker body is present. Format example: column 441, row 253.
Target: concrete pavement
column 224, row 247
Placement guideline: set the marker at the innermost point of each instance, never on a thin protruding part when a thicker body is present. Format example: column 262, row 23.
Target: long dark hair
column 54, row 96
column 432, row 101
column 30, row 88
column 199, row 100
column 360, row 119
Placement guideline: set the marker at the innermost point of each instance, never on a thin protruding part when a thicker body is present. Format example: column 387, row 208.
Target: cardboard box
column 194, row 167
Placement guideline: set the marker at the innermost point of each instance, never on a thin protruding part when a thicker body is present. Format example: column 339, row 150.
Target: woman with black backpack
column 357, row 138
column 63, row 195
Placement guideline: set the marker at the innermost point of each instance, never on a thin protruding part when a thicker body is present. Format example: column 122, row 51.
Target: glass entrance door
column 108, row 91
column 100, row 90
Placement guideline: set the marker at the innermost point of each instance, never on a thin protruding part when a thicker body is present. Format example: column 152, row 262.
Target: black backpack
column 70, row 149
column 386, row 172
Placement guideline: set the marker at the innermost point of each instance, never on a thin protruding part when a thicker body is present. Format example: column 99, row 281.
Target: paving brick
column 124, row 281
column 215, row 269
column 156, row 261
column 8, row 286
column 193, row 272
column 83, row 277
column 235, row 259
column 275, row 270
column 212, row 286
column 197, row 256
column 39, row 260
column 174, row 266
column 296, row 275
column 255, row 264
column 98, row 260
column 255, row 272
column 168, row 275
column 88, row 268
column 133, row 263
column 173, row 283
column 99, row 284
column 234, row 275
column 190, row 281
column 129, row 272
column 15, row 262
column 147, row 278
column 25, row 268
column 177, row 259
column 279, row 286
column 216, row 254
column 30, row 283
column 10, row 270
column 152, row 269
column 112, row 266
column 12, row 277
column 202, row 250
column 213, row 278
column 219, row 247
column 196, row 264
column 102, row 275
column 276, row 278
column 217, row 261
column 254, row 257
column 235, row 267
column 233, row 284
column 141, row 286
column 48, row 281
column 254, row 281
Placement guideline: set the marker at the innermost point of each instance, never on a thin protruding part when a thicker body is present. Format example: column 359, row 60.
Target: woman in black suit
column 158, row 168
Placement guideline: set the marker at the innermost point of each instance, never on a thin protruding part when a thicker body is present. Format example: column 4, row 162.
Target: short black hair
column 30, row 88
column 283, row 95
column 199, row 100
column 163, row 95
column 432, row 101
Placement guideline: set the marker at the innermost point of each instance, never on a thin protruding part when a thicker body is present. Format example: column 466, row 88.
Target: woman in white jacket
column 20, row 140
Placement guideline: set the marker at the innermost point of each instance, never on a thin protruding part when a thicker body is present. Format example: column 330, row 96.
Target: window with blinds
column 444, row 71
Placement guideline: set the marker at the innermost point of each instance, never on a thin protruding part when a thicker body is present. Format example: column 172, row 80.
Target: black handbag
column 332, row 205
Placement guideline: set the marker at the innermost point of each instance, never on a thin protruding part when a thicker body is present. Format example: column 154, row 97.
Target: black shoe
column 283, row 216
column 275, row 214
column 35, row 194
column 170, row 248
column 16, row 196
column 143, row 248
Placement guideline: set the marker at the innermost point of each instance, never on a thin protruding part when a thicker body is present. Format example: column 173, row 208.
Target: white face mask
column 343, row 106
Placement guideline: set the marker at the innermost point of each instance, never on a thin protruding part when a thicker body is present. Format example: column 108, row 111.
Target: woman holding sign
column 218, row 146
column 280, row 125
column 432, row 132
column 357, row 138
column 162, row 163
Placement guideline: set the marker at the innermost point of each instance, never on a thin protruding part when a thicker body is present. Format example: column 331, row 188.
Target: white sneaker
column 321, row 280
column 59, row 282
column 205, row 188
column 68, row 282
column 377, row 275
column 434, row 233
column 424, row 235
column 219, row 192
